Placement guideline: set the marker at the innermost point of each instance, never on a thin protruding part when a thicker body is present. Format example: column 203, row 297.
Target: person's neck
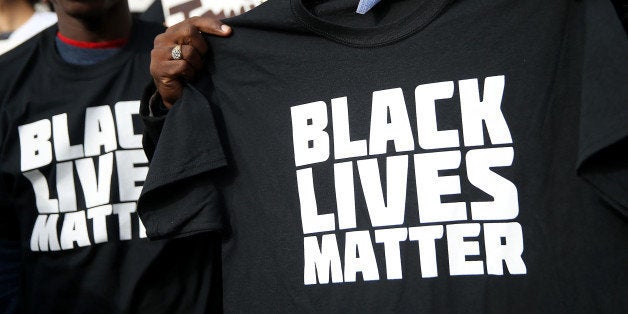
column 14, row 13
column 115, row 24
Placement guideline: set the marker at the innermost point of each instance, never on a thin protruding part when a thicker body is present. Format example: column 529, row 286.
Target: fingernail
column 225, row 28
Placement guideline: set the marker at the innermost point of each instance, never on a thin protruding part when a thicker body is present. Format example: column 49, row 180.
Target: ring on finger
column 175, row 53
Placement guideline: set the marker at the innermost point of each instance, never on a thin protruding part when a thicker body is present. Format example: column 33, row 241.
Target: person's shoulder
column 144, row 33
column 18, row 62
column 151, row 29
column 270, row 17
column 270, row 14
column 23, row 50
column 18, row 56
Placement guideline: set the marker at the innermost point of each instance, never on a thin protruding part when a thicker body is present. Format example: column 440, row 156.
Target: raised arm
column 178, row 55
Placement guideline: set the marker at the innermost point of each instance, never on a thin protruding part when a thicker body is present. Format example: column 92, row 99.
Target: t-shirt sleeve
column 9, row 275
column 179, row 196
column 9, row 224
column 153, row 124
column 603, row 137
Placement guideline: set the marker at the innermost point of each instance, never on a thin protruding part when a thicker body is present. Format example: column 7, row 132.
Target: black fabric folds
column 188, row 148
column 603, row 141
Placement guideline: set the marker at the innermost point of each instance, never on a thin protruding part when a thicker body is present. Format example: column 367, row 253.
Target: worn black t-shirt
column 71, row 170
column 430, row 156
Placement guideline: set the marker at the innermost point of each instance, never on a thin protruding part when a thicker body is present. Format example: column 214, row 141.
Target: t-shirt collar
column 426, row 11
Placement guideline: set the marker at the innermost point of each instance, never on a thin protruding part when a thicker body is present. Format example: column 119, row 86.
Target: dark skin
column 105, row 20
column 93, row 20
column 170, row 75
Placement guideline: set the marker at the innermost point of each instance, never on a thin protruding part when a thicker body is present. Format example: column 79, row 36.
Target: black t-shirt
column 426, row 157
column 72, row 168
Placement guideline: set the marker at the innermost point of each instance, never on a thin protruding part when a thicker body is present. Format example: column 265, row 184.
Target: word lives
column 74, row 184
column 429, row 158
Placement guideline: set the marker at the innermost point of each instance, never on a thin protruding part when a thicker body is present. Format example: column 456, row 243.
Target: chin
column 86, row 9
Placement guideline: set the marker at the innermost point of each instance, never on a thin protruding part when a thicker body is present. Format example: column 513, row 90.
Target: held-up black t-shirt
column 72, row 168
column 429, row 156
